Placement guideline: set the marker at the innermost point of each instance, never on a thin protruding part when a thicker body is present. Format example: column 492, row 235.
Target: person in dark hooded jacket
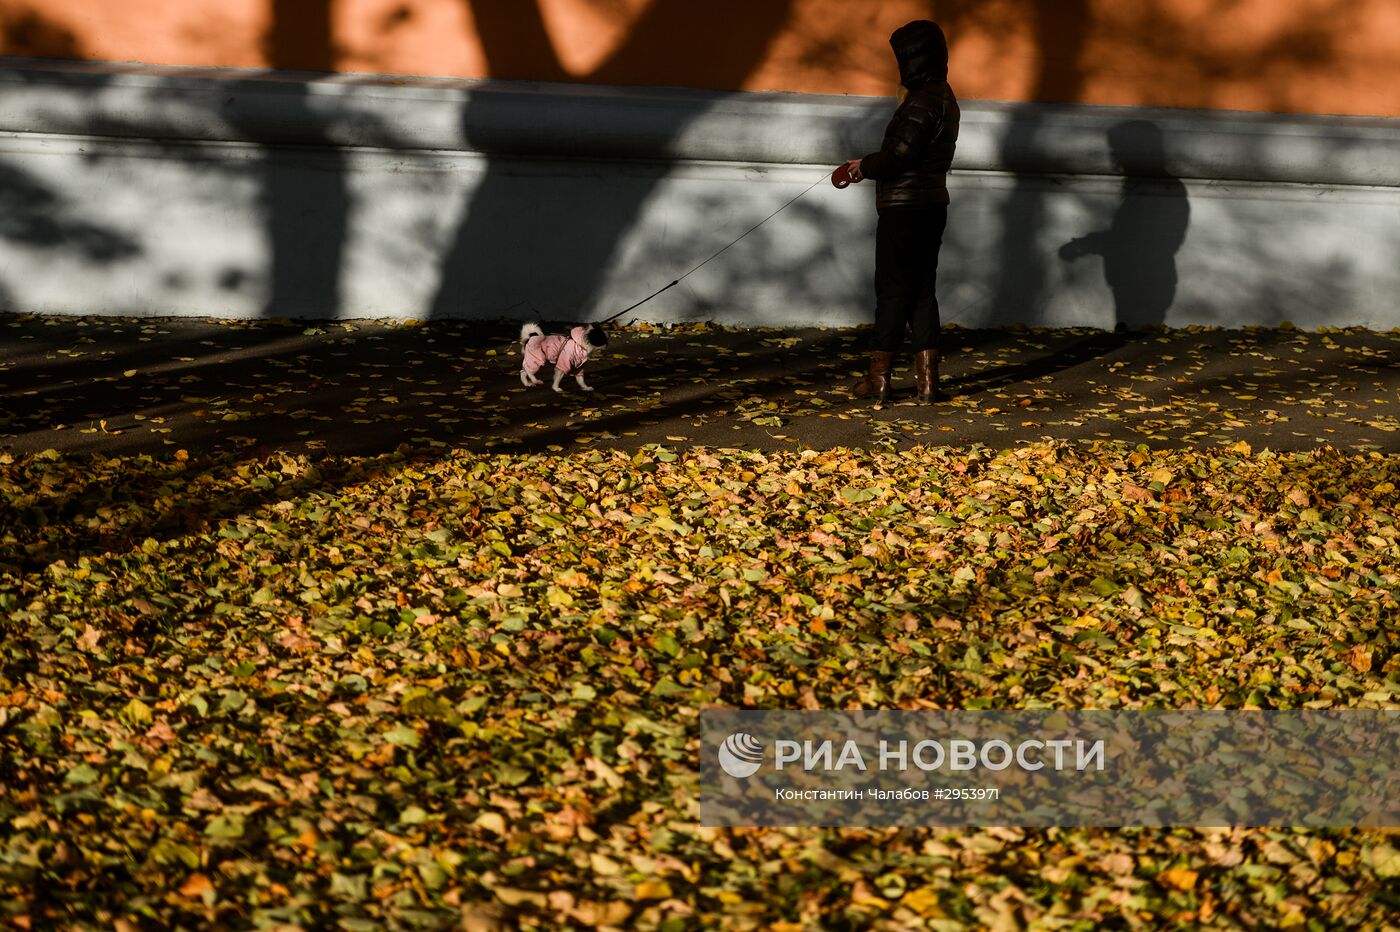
column 911, row 170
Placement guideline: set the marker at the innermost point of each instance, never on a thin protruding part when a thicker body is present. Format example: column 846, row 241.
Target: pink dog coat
column 566, row 353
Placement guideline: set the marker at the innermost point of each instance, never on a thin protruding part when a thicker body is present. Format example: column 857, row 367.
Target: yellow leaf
column 137, row 712
column 513, row 897
column 1385, row 860
column 1178, row 878
column 492, row 822
column 603, row 865
column 862, row 895
column 652, row 890
column 923, row 901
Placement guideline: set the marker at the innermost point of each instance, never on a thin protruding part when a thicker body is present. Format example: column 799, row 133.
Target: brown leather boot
column 926, row 376
column 877, row 381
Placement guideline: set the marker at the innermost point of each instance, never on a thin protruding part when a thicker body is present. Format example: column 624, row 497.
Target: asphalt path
column 238, row 388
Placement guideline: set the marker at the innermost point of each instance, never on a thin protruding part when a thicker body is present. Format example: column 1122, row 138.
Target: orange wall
column 1317, row 56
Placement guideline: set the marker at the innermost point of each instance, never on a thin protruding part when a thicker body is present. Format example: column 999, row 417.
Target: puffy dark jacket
column 911, row 168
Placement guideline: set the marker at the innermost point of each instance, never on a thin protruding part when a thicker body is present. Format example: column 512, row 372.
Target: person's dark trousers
column 907, row 241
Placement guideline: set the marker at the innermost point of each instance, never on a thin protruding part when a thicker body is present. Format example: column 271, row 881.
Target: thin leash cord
column 794, row 200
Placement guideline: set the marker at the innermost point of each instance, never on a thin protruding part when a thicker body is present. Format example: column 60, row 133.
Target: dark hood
column 922, row 52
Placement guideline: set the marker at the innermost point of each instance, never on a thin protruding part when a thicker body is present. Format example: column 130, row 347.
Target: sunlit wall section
column 1293, row 56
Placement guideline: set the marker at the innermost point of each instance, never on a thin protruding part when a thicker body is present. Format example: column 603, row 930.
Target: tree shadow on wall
column 29, row 33
column 304, row 198
column 1060, row 33
column 38, row 220
column 1149, row 226
column 524, row 232
column 33, row 216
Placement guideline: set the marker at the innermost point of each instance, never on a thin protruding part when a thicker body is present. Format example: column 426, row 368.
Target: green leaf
column 81, row 775
column 1103, row 587
column 352, row 887
column 226, row 825
column 402, row 736
column 233, row 700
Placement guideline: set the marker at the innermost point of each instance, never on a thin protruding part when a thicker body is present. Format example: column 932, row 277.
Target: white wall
column 142, row 190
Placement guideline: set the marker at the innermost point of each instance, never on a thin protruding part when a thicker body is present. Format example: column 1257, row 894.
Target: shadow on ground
column 222, row 389
column 201, row 398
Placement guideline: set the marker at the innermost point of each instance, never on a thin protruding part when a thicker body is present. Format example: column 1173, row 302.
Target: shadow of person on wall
column 1148, row 228
column 1139, row 258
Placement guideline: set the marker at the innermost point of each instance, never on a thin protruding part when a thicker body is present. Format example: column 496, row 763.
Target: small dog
column 568, row 354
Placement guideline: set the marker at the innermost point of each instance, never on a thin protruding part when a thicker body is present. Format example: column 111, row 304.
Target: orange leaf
column 196, row 886
column 1359, row 659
